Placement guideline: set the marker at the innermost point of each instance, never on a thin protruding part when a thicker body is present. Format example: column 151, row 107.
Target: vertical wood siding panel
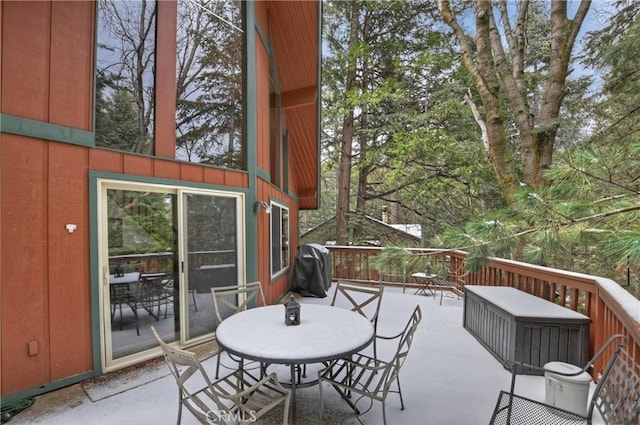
column 138, row 165
column 25, row 59
column 24, row 310
column 105, row 160
column 235, row 179
column 166, row 169
column 71, row 78
column 165, row 118
column 214, row 176
column 191, row 172
column 69, row 283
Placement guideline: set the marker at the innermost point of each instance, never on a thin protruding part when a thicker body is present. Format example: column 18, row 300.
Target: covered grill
column 312, row 271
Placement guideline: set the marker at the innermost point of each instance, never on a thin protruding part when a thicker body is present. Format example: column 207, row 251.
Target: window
column 209, row 79
column 125, row 75
column 279, row 238
column 274, row 133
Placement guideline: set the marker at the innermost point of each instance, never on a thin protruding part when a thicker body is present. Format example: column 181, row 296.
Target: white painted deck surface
column 448, row 379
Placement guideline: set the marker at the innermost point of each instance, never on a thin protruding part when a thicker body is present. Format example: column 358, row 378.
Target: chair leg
column 193, row 295
column 400, row 393
column 179, row 408
column 375, row 350
column 384, row 413
column 134, row 308
column 321, row 400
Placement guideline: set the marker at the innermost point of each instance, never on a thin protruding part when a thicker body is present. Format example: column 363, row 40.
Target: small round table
column 325, row 333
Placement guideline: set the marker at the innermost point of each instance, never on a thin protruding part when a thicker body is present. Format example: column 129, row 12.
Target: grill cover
column 312, row 271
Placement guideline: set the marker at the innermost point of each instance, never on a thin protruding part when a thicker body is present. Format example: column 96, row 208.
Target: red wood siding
column 47, row 60
column 45, row 276
column 25, row 310
column 165, row 120
column 68, row 259
column 72, row 58
column 274, row 289
column 25, row 58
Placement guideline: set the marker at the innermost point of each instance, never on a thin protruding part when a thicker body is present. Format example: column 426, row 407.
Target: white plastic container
column 566, row 392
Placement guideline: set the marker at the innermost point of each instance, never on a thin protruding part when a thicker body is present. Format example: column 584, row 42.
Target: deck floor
column 448, row 379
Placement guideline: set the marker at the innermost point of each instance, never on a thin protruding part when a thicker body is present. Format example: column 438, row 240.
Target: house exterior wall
column 47, row 312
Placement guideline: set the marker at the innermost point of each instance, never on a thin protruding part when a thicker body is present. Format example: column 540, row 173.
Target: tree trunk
column 490, row 62
column 344, row 172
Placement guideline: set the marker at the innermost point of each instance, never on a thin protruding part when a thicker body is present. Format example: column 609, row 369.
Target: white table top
column 423, row 275
column 324, row 333
column 216, row 266
column 127, row 278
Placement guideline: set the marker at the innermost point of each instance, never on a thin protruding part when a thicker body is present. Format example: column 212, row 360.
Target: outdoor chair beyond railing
column 452, row 280
column 617, row 395
column 229, row 300
column 235, row 398
column 371, row 377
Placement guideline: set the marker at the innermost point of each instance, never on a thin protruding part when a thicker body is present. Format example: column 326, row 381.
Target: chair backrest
column 617, row 395
column 404, row 344
column 363, row 299
column 191, row 378
column 229, row 300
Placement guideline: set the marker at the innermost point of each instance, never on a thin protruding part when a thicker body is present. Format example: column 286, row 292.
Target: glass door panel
column 211, row 260
column 142, row 279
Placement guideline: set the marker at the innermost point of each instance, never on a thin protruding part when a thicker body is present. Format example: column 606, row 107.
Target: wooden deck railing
column 612, row 309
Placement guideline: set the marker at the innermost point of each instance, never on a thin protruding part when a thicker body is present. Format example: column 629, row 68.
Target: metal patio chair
column 371, row 377
column 616, row 397
column 228, row 300
column 141, row 294
column 362, row 299
column 235, row 398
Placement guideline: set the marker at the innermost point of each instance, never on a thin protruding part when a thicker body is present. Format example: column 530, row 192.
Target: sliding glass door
column 211, row 255
column 161, row 250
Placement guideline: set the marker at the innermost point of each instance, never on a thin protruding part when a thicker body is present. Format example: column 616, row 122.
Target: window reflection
column 142, row 250
column 209, row 77
column 125, row 81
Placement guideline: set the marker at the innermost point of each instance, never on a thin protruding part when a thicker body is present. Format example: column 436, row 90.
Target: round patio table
column 325, row 333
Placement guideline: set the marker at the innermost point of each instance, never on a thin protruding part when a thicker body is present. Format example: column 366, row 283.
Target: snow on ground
column 448, row 379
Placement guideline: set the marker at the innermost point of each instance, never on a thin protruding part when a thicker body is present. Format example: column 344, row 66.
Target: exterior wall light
column 262, row 204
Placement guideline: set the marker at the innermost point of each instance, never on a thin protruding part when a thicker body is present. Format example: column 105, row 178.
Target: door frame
column 100, row 270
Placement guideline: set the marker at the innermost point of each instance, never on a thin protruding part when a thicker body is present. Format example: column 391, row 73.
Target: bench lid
column 523, row 305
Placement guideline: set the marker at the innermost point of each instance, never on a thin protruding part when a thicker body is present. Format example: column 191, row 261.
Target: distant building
column 375, row 233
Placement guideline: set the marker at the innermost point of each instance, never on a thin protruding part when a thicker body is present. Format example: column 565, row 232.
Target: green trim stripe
column 50, row 386
column 251, row 142
column 42, row 130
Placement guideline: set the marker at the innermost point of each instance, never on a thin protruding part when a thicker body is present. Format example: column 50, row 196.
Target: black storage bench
column 516, row 326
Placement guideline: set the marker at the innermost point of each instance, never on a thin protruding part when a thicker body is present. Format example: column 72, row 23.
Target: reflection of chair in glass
column 125, row 293
column 155, row 292
column 229, row 300
column 371, row 377
column 236, row 397
column 362, row 299
column 617, row 395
